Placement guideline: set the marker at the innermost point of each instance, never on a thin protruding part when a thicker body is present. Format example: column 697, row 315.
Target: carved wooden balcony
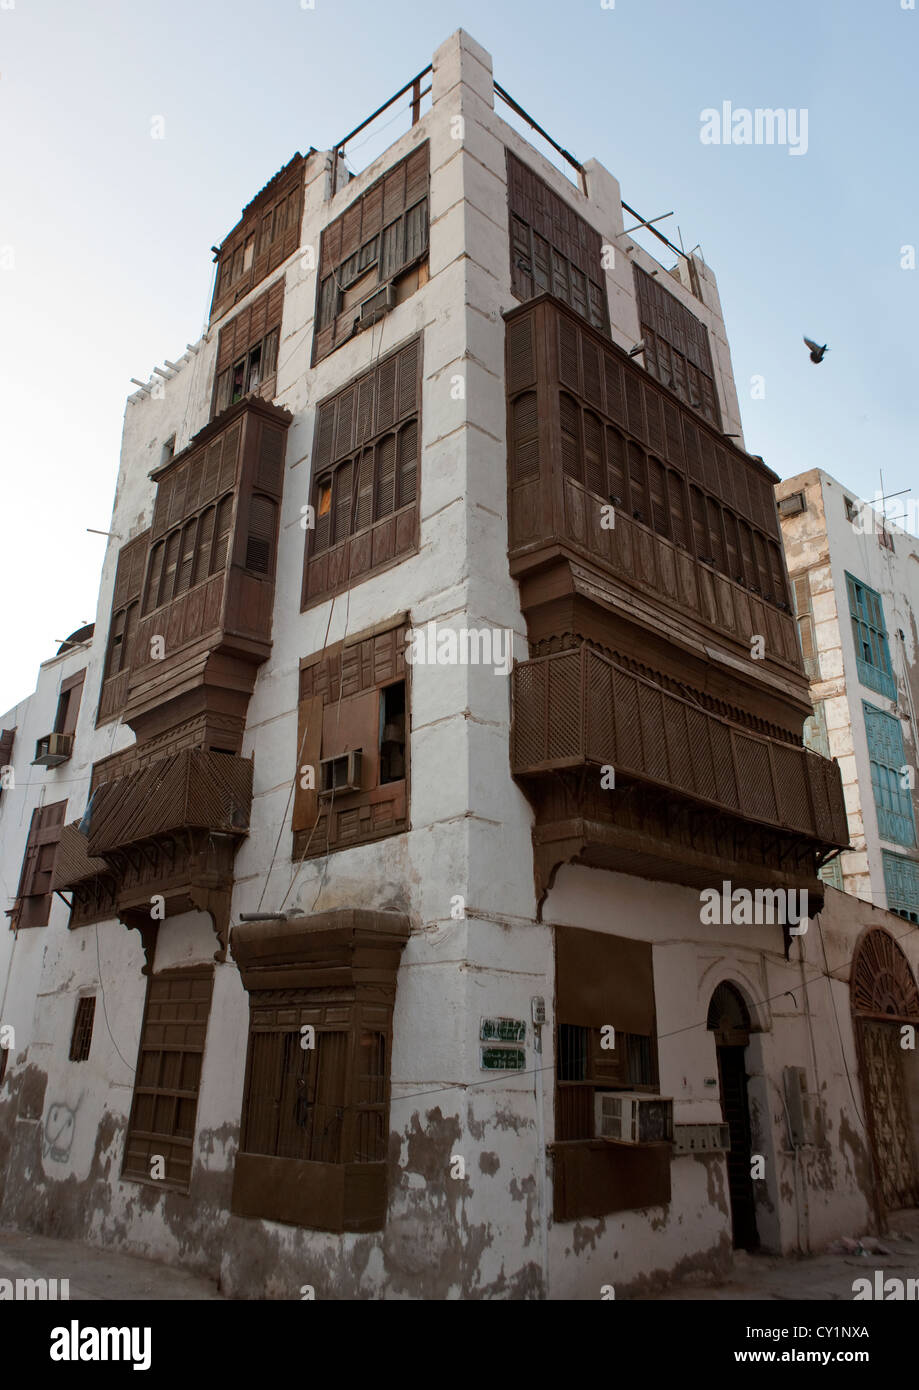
column 628, row 510
column 692, row 795
column 191, row 790
column 168, row 829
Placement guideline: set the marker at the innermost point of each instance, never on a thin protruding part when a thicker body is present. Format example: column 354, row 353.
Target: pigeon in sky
column 815, row 351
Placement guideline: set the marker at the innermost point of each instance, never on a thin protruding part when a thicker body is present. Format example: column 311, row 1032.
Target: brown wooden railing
column 578, row 708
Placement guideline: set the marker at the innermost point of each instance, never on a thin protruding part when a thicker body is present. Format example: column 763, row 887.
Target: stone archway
column 884, row 998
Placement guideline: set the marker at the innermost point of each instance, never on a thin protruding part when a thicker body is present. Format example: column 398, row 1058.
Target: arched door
column 729, row 1020
column 884, row 998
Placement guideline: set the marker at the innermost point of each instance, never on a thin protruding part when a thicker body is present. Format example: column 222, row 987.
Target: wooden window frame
column 193, row 527
column 32, row 907
column 335, row 972
column 667, row 353
column 68, row 703
column 362, row 238
column 266, row 351
column 127, row 595
column 603, row 980
column 354, row 434
column 713, row 537
column 329, row 721
column 264, row 238
column 553, row 249
column 158, row 1037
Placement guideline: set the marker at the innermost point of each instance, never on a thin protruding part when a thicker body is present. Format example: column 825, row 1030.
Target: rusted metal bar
column 413, row 85
column 654, row 232
column 566, row 154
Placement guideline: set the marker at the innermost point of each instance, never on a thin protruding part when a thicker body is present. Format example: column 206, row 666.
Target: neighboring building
column 444, row 664
column 856, row 583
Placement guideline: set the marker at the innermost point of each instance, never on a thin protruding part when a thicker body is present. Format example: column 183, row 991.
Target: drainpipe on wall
column 538, row 1006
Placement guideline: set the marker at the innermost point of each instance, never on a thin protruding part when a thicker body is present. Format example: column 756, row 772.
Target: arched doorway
column 884, row 998
column 729, row 1020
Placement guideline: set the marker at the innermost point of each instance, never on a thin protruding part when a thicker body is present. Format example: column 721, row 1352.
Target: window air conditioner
column 792, row 504
column 633, row 1118
column 376, row 305
column 52, row 750
column 341, row 774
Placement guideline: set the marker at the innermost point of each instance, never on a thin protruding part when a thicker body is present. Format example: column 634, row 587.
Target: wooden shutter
column 660, row 515
column 203, row 546
column 408, row 464
column 638, row 483
column 309, row 751
column 680, row 344
column 260, row 538
column 126, row 594
column 363, row 512
column 154, row 577
column 186, row 557
column 221, row 534
column 525, row 437
column 71, row 693
column 604, row 980
column 386, row 476
column 33, row 903
column 567, row 250
column 569, row 420
column 164, row 1111
column 389, row 221
column 170, row 563
column 341, row 519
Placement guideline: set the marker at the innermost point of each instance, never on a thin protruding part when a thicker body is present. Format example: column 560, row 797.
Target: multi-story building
column 439, row 776
column 855, row 575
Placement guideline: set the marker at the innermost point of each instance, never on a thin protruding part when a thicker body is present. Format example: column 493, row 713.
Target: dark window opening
column 392, row 733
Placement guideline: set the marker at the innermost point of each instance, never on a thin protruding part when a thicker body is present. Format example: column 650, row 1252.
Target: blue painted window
column 892, row 799
column 901, row 880
column 871, row 651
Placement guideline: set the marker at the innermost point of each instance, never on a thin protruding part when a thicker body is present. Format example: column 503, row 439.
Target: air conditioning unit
column 376, row 305
column 633, row 1118
column 52, row 750
column 341, row 774
column 793, row 504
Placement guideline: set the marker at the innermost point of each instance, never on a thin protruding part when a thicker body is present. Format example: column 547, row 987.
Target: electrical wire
column 104, row 1009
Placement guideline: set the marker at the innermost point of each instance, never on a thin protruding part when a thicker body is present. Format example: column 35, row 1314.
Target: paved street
column 102, row 1274
column 828, row 1275
column 96, row 1274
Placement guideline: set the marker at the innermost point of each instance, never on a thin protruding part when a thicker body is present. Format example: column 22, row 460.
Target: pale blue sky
column 110, row 229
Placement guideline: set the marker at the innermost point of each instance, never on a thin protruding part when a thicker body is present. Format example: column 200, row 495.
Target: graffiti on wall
column 60, row 1127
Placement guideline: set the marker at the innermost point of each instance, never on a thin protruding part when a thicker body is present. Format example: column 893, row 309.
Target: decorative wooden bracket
column 138, row 919
column 216, row 903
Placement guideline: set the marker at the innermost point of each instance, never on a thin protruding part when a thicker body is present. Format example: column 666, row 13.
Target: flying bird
column 815, row 351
